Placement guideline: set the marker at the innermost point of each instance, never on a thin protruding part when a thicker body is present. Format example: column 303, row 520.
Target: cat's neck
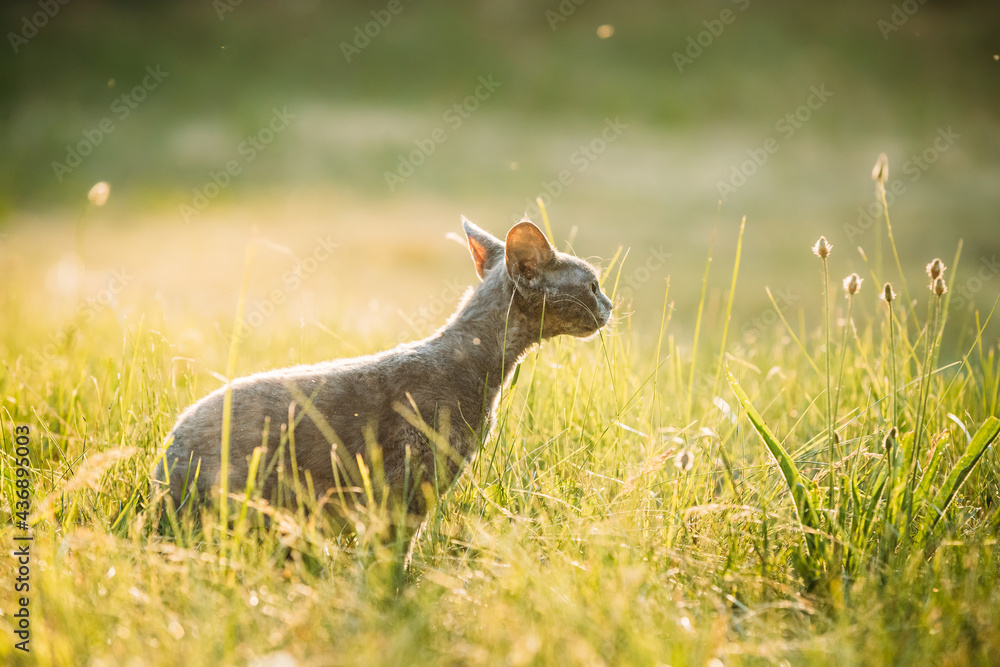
column 488, row 335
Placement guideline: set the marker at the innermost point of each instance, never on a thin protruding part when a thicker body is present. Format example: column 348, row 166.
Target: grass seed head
column 99, row 194
column 852, row 284
column 936, row 269
column 890, row 440
column 880, row 172
column 822, row 249
column 938, row 287
column 887, row 294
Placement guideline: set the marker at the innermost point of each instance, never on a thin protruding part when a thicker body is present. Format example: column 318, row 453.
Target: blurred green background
column 695, row 90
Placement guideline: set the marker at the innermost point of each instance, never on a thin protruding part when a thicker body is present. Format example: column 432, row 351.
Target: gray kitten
column 414, row 414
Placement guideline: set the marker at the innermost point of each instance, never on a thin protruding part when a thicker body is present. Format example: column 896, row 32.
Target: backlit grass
column 632, row 507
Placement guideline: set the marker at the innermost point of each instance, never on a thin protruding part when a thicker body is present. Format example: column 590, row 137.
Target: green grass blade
column 805, row 504
column 924, row 488
column 729, row 309
column 871, row 512
column 697, row 330
column 987, row 433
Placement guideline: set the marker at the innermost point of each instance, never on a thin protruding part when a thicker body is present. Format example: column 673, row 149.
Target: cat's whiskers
column 453, row 378
column 564, row 298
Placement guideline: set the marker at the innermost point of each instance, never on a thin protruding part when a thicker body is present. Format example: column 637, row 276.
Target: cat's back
column 263, row 401
column 341, row 386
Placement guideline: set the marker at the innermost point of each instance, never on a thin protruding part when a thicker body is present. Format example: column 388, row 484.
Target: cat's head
column 562, row 292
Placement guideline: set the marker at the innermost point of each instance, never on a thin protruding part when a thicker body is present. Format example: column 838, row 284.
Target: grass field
column 666, row 494
column 632, row 507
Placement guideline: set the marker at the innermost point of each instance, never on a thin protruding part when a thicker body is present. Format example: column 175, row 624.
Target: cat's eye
column 594, row 287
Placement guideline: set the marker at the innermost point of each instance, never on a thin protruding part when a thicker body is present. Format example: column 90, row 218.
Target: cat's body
column 447, row 384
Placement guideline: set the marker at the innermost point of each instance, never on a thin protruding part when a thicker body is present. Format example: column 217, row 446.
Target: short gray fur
column 529, row 291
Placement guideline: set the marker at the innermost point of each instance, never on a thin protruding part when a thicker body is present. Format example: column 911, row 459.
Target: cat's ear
column 527, row 251
column 486, row 249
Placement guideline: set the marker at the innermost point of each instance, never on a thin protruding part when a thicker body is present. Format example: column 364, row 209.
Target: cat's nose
column 605, row 314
